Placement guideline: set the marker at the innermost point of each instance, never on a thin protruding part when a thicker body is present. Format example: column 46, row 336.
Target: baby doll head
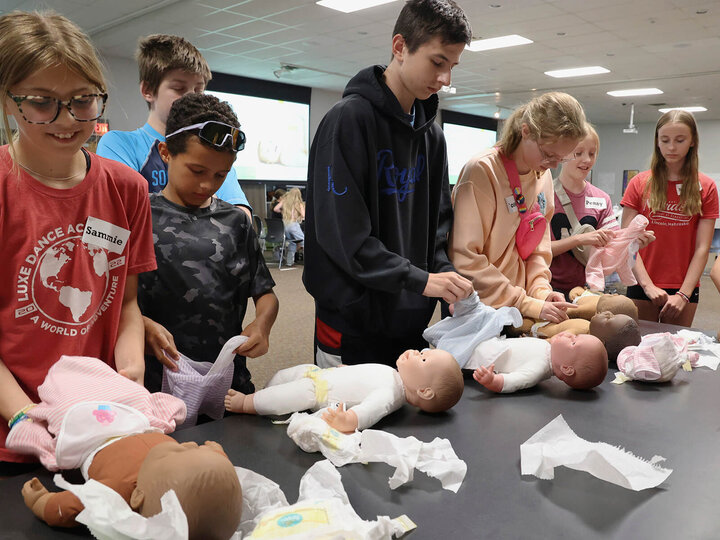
column 432, row 379
column 615, row 331
column 204, row 481
column 581, row 361
column 617, row 304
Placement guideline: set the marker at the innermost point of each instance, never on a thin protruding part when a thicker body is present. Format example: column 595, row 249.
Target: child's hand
column 340, row 419
column 257, row 343
column 158, row 339
column 487, row 377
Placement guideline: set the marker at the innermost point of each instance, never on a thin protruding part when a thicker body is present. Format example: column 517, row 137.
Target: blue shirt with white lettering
column 139, row 150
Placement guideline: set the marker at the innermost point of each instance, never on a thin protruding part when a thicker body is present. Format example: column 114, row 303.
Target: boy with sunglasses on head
column 170, row 67
column 209, row 258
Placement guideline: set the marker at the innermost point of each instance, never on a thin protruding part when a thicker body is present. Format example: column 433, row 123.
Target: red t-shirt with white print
column 66, row 255
column 668, row 257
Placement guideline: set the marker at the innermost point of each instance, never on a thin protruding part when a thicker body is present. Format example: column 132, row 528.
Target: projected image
column 463, row 142
column 277, row 137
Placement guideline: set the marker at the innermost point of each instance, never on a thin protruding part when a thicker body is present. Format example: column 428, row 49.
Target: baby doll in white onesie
column 431, row 380
column 508, row 365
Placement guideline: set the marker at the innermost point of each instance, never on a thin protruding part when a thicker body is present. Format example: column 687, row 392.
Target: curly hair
column 196, row 109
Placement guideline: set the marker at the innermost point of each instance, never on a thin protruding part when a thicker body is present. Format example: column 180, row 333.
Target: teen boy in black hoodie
column 378, row 207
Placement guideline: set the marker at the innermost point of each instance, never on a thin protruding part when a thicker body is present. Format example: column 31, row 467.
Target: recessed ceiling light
column 577, row 72
column 497, row 43
column 687, row 109
column 348, row 6
column 701, row 11
column 635, row 92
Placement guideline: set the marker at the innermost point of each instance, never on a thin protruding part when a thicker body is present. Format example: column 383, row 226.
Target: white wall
column 620, row 151
column 126, row 109
column 320, row 103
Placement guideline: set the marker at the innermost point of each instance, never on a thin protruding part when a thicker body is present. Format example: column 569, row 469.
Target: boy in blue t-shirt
column 208, row 256
column 170, row 67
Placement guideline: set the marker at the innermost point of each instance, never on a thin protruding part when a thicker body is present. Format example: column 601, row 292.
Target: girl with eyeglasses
column 681, row 204
column 75, row 228
column 485, row 244
column 588, row 222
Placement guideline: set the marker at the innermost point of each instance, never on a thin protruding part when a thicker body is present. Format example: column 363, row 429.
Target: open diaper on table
column 556, row 444
column 436, row 458
column 203, row 385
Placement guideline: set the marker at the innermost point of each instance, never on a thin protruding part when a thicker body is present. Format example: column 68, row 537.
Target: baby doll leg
column 293, row 396
column 574, row 326
column 290, row 374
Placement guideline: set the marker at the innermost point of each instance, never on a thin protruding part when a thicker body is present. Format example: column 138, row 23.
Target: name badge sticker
column 511, row 205
column 105, row 235
column 598, row 203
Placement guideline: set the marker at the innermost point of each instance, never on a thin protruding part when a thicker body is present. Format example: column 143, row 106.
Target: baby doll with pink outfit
column 618, row 255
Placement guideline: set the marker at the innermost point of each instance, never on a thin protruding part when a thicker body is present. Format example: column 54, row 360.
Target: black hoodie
column 378, row 211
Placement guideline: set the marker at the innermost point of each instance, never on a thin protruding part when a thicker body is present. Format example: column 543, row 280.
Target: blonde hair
column 292, row 205
column 656, row 187
column 31, row 42
column 592, row 133
column 551, row 116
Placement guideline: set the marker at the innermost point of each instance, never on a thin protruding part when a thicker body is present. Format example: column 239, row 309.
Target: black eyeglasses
column 217, row 134
column 46, row 109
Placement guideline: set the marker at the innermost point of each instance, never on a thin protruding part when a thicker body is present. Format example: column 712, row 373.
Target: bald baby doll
column 430, row 379
column 142, row 468
column 616, row 331
column 509, row 365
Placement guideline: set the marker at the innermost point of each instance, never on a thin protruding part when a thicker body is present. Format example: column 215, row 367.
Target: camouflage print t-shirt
column 209, row 264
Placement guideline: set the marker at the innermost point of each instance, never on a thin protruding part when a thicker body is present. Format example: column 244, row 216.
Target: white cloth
column 523, row 362
column 371, row 391
column 436, row 458
column 203, row 385
column 472, row 323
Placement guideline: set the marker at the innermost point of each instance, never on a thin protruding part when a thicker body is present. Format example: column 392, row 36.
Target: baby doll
column 142, row 468
column 430, row 379
column 508, row 365
column 616, row 256
column 616, row 331
column 588, row 304
column 656, row 359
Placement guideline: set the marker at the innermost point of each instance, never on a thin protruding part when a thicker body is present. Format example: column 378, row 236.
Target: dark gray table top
column 678, row 420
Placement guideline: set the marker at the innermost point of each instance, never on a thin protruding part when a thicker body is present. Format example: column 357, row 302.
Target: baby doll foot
column 235, row 401
column 35, row 495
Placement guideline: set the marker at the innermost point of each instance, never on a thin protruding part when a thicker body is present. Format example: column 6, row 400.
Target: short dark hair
column 159, row 53
column 421, row 20
column 195, row 109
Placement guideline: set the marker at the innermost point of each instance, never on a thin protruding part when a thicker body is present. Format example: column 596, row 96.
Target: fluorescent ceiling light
column 687, row 109
column 348, row 6
column 577, row 72
column 497, row 43
column 635, row 92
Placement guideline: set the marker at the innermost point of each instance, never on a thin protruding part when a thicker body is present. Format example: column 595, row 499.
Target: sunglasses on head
column 217, row 134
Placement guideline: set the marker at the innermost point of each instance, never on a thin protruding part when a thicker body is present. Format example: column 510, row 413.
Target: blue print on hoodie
column 400, row 181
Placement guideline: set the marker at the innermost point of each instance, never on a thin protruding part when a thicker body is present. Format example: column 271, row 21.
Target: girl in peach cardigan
column 537, row 136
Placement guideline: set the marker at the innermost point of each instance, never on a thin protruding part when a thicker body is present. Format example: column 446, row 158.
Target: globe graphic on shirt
column 70, row 281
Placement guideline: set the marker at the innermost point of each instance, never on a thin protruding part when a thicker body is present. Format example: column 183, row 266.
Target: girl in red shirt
column 681, row 205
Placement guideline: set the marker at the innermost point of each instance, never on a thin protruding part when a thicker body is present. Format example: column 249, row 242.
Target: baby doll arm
column 340, row 419
column 489, row 379
column 55, row 509
column 375, row 406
